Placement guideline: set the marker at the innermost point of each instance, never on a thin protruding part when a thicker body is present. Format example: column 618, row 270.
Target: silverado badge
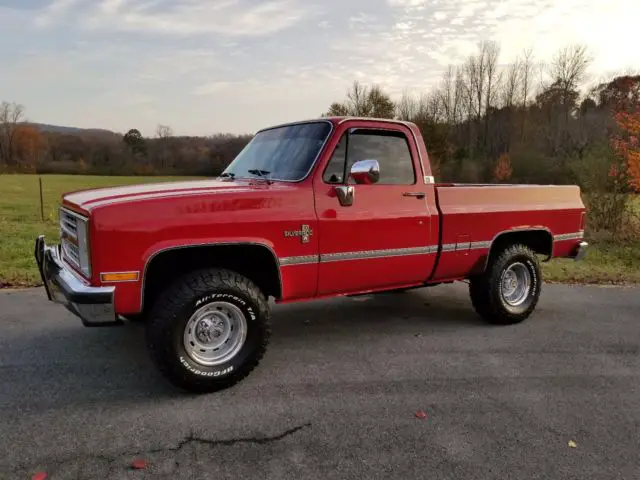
column 304, row 233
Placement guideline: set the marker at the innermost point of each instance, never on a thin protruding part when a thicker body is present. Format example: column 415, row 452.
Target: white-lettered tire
column 508, row 291
column 208, row 330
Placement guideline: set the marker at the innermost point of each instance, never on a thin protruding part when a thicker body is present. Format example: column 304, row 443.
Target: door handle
column 418, row 195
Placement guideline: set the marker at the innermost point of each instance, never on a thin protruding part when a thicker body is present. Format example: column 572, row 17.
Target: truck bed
column 473, row 216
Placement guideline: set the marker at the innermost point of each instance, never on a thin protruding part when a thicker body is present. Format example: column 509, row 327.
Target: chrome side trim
column 569, row 236
column 368, row 254
column 553, row 238
column 196, row 245
column 479, row 245
column 448, row 247
column 302, row 260
column 452, row 247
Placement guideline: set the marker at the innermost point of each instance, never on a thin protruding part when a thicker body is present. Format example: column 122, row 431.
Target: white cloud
column 54, row 10
column 211, row 87
column 407, row 3
column 181, row 17
column 181, row 60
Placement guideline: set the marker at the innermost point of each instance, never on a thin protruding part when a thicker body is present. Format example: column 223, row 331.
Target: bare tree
column 526, row 74
column 475, row 72
column 164, row 131
column 10, row 115
column 491, row 52
column 408, row 106
column 357, row 98
column 568, row 69
column 446, row 94
column 459, row 95
column 511, row 86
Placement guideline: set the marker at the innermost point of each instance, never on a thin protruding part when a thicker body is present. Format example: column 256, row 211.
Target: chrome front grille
column 69, row 240
column 71, row 252
column 69, row 224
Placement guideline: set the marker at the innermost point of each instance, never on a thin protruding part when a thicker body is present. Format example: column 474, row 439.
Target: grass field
column 20, row 220
column 20, row 223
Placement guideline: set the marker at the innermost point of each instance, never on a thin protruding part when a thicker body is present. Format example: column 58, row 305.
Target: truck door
column 373, row 233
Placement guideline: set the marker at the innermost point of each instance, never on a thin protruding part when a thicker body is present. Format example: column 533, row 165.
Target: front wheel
column 509, row 290
column 209, row 330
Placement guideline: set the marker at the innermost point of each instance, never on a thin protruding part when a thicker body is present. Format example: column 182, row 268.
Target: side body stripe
column 395, row 252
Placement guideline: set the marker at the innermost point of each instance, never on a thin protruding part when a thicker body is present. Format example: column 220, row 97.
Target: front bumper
column 93, row 305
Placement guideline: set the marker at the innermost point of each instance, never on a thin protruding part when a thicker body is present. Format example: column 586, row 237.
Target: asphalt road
column 336, row 394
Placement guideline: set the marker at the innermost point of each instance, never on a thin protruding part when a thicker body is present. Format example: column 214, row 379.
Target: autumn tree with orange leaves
column 503, row 170
column 627, row 145
column 28, row 146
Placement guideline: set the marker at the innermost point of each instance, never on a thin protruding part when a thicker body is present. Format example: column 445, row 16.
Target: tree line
column 527, row 122
column 28, row 148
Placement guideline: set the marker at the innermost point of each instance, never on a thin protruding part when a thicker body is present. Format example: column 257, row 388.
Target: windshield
column 282, row 153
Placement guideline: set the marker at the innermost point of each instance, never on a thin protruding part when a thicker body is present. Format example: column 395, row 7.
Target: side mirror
column 365, row 172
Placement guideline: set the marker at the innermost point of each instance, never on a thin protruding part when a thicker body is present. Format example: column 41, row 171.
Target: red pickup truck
column 307, row 210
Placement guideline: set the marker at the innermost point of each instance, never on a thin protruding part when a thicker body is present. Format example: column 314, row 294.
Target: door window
column 389, row 148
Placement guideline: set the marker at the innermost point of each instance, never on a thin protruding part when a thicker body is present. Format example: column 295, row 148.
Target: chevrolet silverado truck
column 307, row 210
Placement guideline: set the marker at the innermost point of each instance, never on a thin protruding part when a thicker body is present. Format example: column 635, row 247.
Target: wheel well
column 256, row 262
column 540, row 241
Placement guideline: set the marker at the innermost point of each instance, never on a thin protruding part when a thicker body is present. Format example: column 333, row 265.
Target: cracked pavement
column 336, row 394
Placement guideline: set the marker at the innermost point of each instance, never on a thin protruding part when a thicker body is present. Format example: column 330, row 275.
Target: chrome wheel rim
column 215, row 333
column 516, row 284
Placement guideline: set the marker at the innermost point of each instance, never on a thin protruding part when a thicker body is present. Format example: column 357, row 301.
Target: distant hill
column 94, row 132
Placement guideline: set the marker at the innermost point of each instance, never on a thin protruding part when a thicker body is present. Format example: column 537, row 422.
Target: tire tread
column 181, row 292
column 485, row 299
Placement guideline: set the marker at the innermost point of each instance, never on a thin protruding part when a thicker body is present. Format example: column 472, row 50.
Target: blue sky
column 204, row 66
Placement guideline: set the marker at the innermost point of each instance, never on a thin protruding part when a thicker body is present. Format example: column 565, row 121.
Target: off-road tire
column 171, row 312
column 485, row 290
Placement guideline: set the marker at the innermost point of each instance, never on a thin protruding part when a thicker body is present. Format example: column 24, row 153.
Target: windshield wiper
column 261, row 173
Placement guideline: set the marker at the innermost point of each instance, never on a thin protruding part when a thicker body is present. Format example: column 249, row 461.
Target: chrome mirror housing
column 365, row 172
column 345, row 195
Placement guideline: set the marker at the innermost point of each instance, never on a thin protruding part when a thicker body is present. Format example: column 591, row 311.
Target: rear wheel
column 209, row 330
column 509, row 289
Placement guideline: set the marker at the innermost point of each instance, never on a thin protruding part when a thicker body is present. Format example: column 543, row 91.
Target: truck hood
column 88, row 200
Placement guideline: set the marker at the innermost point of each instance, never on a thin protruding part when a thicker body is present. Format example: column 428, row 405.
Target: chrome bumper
column 580, row 251
column 93, row 305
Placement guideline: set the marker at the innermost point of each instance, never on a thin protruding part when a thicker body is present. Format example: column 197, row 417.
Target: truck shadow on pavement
column 420, row 309
column 76, row 366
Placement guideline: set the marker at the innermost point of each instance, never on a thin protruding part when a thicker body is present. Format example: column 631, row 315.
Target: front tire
column 208, row 330
column 508, row 291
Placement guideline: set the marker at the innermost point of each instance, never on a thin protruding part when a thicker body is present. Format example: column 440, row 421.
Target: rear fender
column 532, row 237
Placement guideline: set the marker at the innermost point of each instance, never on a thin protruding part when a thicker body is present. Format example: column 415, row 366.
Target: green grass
column 20, row 219
column 606, row 262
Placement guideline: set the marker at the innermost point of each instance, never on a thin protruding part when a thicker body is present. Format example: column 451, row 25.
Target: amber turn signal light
column 119, row 277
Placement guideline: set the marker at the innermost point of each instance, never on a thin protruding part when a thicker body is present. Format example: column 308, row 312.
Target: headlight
column 74, row 239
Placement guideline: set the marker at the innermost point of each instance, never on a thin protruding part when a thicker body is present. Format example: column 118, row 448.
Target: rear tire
column 508, row 291
column 208, row 330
